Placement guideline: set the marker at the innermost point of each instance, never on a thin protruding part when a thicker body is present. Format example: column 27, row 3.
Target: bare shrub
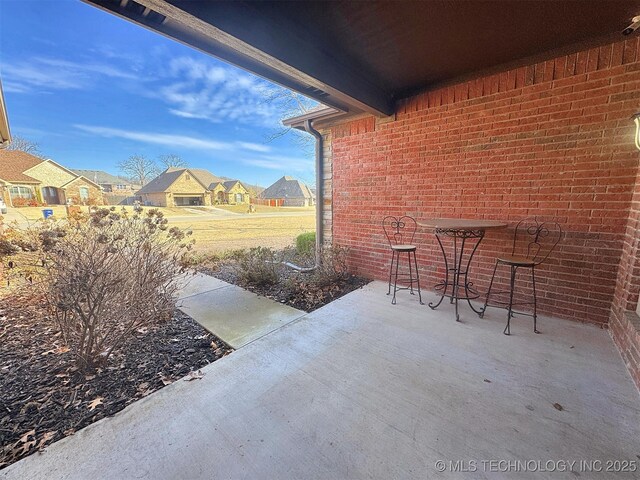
column 257, row 266
column 109, row 275
column 332, row 266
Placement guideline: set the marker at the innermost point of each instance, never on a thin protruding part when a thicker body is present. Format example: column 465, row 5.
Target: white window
column 121, row 187
column 20, row 192
column 84, row 194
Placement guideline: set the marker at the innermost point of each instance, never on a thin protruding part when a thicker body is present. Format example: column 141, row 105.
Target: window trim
column 82, row 190
column 21, row 190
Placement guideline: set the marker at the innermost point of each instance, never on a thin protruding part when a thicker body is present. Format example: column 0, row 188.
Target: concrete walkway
column 233, row 314
column 364, row 389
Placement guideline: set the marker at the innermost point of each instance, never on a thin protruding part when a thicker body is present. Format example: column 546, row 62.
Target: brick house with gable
column 181, row 187
column 26, row 178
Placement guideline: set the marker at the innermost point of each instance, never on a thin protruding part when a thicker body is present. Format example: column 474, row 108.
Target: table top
column 462, row 224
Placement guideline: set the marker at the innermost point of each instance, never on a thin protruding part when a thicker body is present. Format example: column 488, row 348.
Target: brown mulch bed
column 45, row 398
column 293, row 289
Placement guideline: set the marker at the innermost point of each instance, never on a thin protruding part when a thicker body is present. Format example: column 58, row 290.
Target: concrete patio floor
column 364, row 389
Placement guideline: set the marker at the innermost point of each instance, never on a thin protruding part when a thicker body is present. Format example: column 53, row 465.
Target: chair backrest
column 399, row 230
column 535, row 240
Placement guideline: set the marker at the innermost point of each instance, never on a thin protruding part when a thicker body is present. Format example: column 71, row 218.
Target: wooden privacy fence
column 270, row 202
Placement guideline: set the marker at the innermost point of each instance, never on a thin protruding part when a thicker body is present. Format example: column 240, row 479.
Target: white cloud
column 172, row 140
column 180, row 113
column 44, row 74
column 256, row 147
column 202, row 90
column 83, row 68
column 281, row 163
column 157, row 138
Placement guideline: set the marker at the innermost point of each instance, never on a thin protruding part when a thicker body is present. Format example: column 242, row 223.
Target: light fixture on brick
column 636, row 119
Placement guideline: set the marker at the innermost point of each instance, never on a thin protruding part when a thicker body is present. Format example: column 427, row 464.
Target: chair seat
column 517, row 261
column 403, row 248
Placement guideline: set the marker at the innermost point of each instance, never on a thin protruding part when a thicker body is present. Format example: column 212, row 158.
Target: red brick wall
column 624, row 322
column 552, row 139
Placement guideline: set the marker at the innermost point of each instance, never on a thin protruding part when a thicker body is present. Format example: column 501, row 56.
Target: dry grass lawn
column 263, row 208
column 212, row 235
column 218, row 236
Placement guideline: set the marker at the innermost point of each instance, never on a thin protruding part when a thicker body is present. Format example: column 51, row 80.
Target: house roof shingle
column 287, row 187
column 101, row 177
column 205, row 177
column 162, row 182
column 14, row 162
column 230, row 183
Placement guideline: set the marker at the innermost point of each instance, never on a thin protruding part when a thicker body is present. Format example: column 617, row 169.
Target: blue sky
column 92, row 89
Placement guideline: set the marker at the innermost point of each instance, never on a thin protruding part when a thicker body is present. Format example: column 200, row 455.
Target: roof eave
column 326, row 113
column 5, row 132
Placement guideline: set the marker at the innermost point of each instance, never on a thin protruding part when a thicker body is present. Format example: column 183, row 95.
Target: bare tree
column 290, row 104
column 172, row 160
column 25, row 145
column 139, row 168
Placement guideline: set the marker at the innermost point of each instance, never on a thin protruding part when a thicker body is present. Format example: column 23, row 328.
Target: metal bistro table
column 466, row 233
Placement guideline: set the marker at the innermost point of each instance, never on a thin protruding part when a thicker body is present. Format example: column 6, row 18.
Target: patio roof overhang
column 361, row 57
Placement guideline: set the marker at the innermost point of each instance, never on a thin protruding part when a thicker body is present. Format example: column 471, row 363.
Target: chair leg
column 395, row 283
column 507, row 329
column 410, row 274
column 415, row 261
column 535, row 301
column 486, row 302
column 393, row 256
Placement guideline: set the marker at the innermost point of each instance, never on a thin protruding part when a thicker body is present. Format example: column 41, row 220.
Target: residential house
column 25, row 178
column 5, row 133
column 192, row 186
column 231, row 192
column 289, row 192
column 473, row 126
column 480, row 110
column 116, row 190
column 109, row 183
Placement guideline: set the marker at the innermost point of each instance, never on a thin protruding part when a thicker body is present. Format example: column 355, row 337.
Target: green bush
column 306, row 243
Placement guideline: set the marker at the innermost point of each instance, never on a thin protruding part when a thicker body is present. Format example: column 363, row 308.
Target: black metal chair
column 533, row 242
column 400, row 232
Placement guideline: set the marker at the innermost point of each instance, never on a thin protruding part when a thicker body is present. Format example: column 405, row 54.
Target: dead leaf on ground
column 45, row 438
column 24, row 448
column 97, row 401
column 165, row 380
column 56, row 351
column 196, row 375
column 25, row 437
column 144, row 390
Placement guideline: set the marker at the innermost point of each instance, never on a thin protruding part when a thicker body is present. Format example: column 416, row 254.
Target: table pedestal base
column 456, row 285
